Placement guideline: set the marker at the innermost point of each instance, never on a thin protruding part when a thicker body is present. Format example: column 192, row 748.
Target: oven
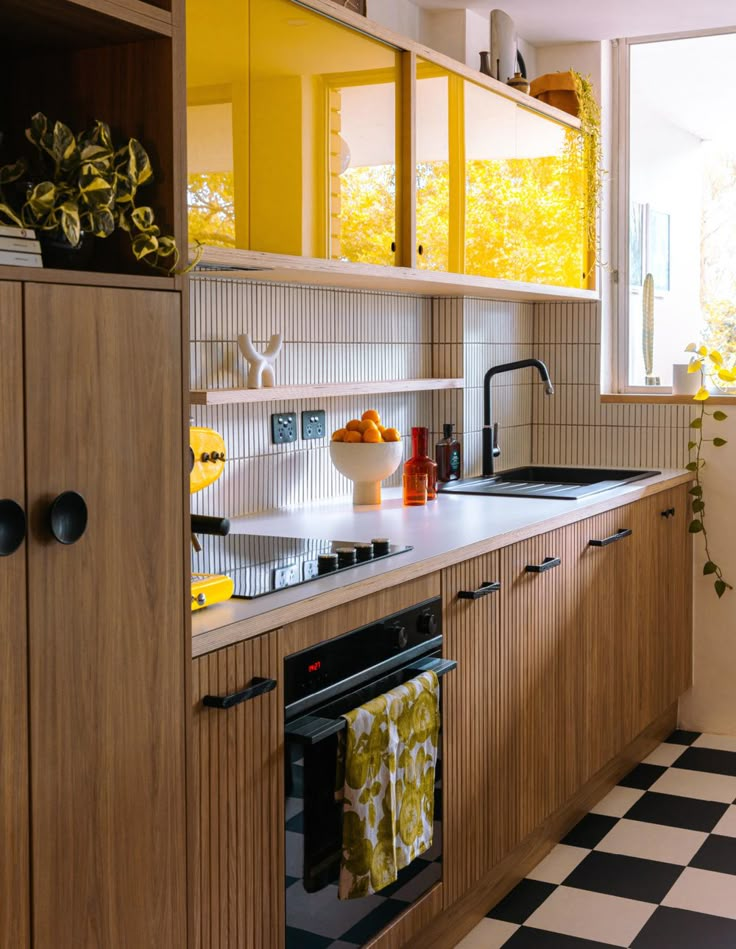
column 321, row 684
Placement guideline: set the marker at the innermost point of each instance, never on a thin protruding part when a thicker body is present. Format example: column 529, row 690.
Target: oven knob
column 381, row 546
column 427, row 623
column 399, row 635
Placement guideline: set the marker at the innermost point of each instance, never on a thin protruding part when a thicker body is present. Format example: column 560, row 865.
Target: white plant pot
column 684, row 382
column 366, row 466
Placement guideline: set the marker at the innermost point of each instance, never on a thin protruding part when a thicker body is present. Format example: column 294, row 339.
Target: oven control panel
column 364, row 652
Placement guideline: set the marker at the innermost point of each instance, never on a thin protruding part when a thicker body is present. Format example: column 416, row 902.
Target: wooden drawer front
column 476, row 706
column 238, row 802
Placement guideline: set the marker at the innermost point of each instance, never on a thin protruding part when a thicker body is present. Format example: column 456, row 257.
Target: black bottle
column 447, row 454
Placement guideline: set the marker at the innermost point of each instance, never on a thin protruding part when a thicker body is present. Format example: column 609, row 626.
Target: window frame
column 620, row 201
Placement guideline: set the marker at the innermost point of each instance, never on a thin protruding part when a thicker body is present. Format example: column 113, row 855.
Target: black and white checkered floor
column 653, row 866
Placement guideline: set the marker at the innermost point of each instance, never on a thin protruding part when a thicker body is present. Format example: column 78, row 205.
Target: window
column 676, row 226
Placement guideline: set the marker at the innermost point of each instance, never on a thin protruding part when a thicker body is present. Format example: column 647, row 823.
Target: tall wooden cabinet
column 95, row 434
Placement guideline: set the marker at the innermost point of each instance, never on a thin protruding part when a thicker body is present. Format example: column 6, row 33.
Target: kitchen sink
column 542, row 481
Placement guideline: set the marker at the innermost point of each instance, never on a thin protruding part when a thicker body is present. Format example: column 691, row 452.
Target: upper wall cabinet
column 309, row 138
column 292, row 132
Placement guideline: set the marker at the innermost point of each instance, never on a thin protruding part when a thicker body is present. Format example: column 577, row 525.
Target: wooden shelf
column 642, row 398
column 281, row 268
column 86, row 278
column 36, row 25
column 326, row 391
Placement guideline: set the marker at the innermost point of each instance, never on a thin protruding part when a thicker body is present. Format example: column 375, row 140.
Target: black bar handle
column 311, row 729
column 619, row 535
column 669, row 512
column 202, row 524
column 258, row 686
column 68, row 517
column 12, row 526
column 488, row 586
column 549, row 563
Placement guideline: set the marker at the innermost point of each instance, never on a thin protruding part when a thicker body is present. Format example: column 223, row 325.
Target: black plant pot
column 58, row 253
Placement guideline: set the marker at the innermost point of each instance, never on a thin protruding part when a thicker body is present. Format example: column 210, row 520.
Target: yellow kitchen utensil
column 209, row 588
column 207, row 455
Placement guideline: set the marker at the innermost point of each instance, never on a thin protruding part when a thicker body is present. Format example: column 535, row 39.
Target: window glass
column 682, row 204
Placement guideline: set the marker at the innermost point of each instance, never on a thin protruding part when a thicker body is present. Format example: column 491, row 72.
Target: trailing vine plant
column 705, row 361
column 589, row 112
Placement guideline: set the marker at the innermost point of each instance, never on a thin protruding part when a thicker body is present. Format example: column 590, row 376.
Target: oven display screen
column 314, row 667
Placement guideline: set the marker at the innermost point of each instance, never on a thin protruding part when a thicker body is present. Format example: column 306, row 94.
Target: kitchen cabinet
column 558, row 671
column 237, row 762
column 14, row 831
column 101, row 580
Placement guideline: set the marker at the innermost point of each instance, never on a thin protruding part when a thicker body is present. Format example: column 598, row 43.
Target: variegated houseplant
column 85, row 184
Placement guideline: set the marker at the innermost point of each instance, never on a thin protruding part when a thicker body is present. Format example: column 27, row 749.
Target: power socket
column 313, row 424
column 283, row 428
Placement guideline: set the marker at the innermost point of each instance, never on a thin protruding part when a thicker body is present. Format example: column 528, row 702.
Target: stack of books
column 19, row 247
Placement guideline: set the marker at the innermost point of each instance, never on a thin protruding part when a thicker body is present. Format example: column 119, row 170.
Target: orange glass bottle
column 421, row 463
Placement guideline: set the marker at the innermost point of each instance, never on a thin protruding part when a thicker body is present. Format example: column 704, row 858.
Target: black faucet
column 491, row 448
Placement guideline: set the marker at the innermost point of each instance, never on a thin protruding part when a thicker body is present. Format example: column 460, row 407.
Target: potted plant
column 84, row 186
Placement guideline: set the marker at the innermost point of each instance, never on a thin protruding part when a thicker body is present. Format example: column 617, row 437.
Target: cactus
column 647, row 306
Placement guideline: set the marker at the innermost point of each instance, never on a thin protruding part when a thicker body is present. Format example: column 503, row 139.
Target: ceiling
column 568, row 21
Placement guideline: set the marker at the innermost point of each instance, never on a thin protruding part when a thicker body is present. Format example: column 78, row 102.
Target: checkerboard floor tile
column 653, row 866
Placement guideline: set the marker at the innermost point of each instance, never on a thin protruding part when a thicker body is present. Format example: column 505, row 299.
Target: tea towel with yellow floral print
column 389, row 757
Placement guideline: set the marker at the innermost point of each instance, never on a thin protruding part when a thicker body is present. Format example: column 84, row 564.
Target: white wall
column 711, row 704
column 398, row 15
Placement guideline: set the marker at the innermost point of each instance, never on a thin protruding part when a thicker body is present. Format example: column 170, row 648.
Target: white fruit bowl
column 366, row 466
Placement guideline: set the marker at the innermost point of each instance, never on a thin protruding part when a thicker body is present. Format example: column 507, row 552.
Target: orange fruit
column 368, row 425
column 372, row 436
column 372, row 415
column 353, row 437
column 339, row 435
column 354, row 425
column 392, row 435
column 381, row 429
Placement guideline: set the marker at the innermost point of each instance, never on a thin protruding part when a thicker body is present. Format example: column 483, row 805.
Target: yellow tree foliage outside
column 211, row 200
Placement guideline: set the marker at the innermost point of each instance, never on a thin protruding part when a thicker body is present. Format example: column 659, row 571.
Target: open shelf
column 35, row 25
column 87, row 278
column 281, row 268
column 326, row 391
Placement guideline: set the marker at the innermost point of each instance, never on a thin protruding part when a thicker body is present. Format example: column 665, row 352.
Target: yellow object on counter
column 209, row 588
column 207, row 449
column 390, row 755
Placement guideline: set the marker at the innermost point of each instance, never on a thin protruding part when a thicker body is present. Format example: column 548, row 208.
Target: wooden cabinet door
column 665, row 599
column 607, row 561
column 542, row 633
column 477, row 729
column 237, row 761
column 14, row 880
column 103, row 389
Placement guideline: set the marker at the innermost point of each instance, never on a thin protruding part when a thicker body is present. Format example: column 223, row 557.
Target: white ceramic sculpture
column 260, row 365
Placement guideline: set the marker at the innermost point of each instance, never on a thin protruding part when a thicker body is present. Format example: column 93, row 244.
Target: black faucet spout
column 490, row 439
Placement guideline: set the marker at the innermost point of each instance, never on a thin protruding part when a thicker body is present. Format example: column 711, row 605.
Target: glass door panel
column 433, row 189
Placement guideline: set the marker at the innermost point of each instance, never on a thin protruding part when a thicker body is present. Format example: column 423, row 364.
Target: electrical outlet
column 283, row 428
column 313, row 424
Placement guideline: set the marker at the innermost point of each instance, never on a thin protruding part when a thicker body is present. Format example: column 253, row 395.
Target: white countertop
column 451, row 529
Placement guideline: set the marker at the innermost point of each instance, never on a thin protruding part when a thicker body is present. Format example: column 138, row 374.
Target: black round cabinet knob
column 68, row 517
column 12, row 526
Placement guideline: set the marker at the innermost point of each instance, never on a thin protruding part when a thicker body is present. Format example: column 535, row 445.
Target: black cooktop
column 260, row 565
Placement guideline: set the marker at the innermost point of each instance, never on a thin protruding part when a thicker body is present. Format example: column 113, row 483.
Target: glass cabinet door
column 292, row 132
column 434, row 87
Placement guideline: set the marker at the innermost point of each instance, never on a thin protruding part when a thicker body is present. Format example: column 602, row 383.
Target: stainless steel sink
column 541, row 481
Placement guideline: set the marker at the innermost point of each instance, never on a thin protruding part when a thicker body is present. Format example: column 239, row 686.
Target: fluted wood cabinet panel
column 542, row 639
column 14, row 883
column 665, row 648
column 107, row 643
column 607, row 581
column 478, row 806
column 237, row 762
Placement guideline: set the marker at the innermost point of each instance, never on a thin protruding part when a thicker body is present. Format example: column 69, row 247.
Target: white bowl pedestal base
column 367, row 492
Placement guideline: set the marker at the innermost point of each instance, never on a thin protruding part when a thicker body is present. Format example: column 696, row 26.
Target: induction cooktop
column 260, row 565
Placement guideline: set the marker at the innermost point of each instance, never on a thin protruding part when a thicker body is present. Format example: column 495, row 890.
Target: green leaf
column 12, row 172
column 696, row 423
column 698, row 506
column 103, row 223
column 691, row 445
column 140, row 169
column 719, row 442
column 64, row 149
column 691, row 466
column 695, row 526
column 720, row 586
column 720, row 416
column 143, row 218
column 696, row 491
column 42, row 198
column 70, row 223
column 143, row 245
column 8, row 214
column 38, row 134
column 709, row 568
